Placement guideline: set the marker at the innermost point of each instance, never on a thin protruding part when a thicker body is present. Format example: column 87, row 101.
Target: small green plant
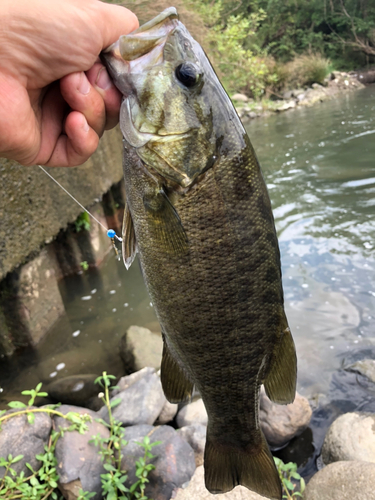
column 82, row 222
column 287, row 472
column 41, row 484
column 84, row 265
column 110, row 450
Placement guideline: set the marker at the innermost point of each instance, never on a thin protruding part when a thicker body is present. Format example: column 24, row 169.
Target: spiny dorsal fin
column 176, row 386
column 129, row 246
column 227, row 465
column 166, row 222
column 280, row 382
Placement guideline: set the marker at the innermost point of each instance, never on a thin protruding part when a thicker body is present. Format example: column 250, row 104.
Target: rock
column 252, row 115
column 173, row 459
column 240, row 98
column 127, row 381
column 288, row 105
column 196, row 490
column 79, row 463
column 167, row 414
column 140, row 347
column 365, row 367
column 193, row 413
column 288, row 95
column 342, row 481
column 140, row 403
column 78, row 390
column 301, row 97
column 280, row 423
column 350, row 437
column 195, row 435
column 18, row 437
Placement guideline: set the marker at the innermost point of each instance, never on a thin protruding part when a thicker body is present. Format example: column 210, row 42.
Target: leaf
column 17, row 459
column 109, row 467
column 38, row 387
column 115, row 402
column 288, row 484
column 31, row 418
column 43, row 394
column 16, row 404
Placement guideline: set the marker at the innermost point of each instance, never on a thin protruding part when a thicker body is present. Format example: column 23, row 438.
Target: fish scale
column 199, row 212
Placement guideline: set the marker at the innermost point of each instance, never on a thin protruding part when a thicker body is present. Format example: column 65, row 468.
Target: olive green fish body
column 199, row 216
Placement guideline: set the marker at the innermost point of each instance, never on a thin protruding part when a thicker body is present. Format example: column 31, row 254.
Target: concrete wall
column 38, row 240
column 33, row 208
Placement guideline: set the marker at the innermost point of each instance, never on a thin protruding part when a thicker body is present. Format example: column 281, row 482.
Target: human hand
column 56, row 98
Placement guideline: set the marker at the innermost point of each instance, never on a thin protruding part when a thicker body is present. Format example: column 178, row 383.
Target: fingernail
column 84, row 85
column 103, row 80
column 85, row 125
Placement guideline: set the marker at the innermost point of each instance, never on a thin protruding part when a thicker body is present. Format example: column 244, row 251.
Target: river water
column 319, row 165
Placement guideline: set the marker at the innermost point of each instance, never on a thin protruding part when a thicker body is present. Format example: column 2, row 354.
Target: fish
column 199, row 216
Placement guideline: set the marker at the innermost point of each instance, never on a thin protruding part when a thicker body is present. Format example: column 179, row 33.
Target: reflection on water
column 319, row 166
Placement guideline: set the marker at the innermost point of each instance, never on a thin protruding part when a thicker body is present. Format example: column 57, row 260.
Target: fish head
column 174, row 111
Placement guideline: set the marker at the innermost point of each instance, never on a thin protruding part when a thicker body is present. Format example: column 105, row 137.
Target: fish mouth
column 141, row 49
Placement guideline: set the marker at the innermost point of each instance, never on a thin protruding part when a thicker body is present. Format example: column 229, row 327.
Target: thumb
column 114, row 21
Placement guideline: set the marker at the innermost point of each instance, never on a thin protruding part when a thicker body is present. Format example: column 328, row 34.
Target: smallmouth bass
column 199, row 216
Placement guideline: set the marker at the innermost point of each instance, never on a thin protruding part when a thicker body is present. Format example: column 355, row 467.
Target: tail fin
column 227, row 466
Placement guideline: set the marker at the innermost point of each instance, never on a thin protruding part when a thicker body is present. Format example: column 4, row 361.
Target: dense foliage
column 262, row 47
column 343, row 30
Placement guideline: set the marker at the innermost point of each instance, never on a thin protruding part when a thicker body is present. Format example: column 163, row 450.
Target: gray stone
column 140, row 403
column 195, row 435
column 365, row 367
column 196, row 490
column 18, row 437
column 288, row 95
column 193, row 413
column 280, row 423
column 288, row 105
column 240, row 98
column 252, row 115
column 79, row 390
column 167, row 414
column 31, row 299
column 297, row 92
column 173, row 459
column 350, row 437
column 79, row 463
column 127, row 381
column 342, row 481
column 301, row 97
column 140, row 347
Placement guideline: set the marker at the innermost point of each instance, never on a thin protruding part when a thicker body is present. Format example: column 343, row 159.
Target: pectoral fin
column 176, row 386
column 280, row 382
column 129, row 246
column 166, row 222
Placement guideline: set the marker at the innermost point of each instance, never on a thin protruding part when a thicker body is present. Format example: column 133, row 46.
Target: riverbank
column 336, row 84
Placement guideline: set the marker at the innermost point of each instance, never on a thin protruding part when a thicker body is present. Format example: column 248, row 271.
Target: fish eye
column 187, row 74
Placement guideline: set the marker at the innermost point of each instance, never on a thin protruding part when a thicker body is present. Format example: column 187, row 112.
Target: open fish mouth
column 141, row 49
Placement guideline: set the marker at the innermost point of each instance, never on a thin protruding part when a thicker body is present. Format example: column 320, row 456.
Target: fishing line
column 110, row 232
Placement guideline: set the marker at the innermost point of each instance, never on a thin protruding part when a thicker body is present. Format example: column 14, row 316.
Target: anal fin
column 227, row 466
column 176, row 386
column 280, row 382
